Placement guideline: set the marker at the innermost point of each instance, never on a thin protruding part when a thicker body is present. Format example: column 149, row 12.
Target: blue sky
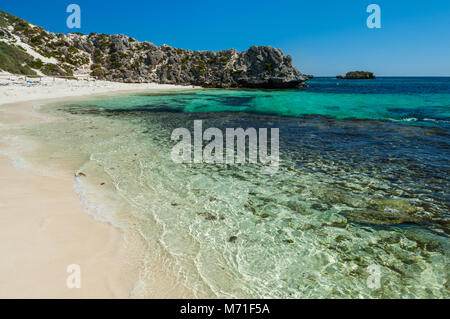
column 324, row 37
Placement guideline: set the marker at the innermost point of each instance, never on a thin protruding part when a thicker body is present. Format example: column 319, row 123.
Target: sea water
column 362, row 184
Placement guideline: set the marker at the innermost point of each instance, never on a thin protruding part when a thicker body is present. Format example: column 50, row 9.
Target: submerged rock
column 232, row 239
column 370, row 216
column 208, row 216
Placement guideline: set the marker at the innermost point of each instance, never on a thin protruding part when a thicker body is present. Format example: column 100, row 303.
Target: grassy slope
column 14, row 60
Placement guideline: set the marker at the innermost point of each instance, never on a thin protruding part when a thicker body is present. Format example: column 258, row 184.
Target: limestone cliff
column 121, row 58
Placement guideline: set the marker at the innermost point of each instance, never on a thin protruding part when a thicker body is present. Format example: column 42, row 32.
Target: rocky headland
column 29, row 49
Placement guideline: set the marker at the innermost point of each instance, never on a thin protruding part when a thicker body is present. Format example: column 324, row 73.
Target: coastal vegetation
column 15, row 60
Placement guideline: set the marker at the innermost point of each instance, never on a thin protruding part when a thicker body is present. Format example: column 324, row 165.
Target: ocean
column 359, row 207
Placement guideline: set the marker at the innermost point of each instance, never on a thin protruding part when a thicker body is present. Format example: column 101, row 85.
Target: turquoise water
column 363, row 181
column 383, row 99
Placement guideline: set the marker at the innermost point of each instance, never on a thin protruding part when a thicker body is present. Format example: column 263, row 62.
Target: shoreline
column 44, row 230
column 44, row 227
column 16, row 91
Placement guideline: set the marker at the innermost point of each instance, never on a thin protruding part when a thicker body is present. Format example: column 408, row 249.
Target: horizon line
column 390, row 76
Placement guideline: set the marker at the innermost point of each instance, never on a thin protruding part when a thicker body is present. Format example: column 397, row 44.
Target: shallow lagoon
column 358, row 185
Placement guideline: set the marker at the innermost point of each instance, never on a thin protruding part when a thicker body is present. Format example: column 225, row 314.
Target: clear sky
column 324, row 37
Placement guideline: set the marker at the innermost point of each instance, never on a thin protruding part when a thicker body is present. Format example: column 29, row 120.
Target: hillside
column 124, row 59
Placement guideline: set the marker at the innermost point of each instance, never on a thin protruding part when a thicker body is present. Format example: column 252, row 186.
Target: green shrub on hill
column 53, row 70
column 36, row 64
column 14, row 60
column 97, row 71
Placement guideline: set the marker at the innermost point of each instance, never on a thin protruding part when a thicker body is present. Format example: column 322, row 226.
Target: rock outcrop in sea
column 357, row 75
column 124, row 59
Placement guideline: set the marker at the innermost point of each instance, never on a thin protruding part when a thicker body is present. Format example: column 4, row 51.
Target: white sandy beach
column 15, row 89
column 43, row 226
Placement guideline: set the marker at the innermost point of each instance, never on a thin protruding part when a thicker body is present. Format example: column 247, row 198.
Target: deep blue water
column 382, row 85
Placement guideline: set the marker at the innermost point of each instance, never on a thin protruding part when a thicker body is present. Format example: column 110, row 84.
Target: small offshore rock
column 357, row 75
